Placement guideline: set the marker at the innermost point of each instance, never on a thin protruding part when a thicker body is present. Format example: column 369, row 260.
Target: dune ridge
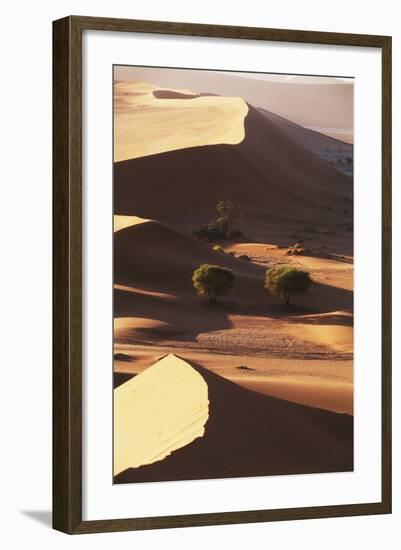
column 325, row 103
column 157, row 257
column 148, row 121
column 274, row 178
column 250, row 434
column 311, row 139
column 277, row 380
column 159, row 411
column 142, row 250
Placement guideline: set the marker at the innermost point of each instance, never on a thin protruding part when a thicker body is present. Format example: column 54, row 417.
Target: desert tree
column 229, row 212
column 286, row 281
column 210, row 233
column 212, row 281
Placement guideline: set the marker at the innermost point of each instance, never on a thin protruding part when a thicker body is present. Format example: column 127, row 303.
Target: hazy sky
column 314, row 101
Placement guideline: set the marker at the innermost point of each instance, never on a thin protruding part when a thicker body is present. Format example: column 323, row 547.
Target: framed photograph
column 222, row 270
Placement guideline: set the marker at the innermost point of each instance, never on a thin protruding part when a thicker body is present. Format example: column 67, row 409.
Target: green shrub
column 286, row 281
column 210, row 233
column 212, row 281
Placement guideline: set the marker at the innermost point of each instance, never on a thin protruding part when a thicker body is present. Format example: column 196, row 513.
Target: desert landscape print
column 233, row 274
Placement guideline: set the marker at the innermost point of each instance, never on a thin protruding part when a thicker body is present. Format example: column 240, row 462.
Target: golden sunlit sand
column 244, row 431
column 273, row 374
column 159, row 411
column 121, row 222
column 146, row 125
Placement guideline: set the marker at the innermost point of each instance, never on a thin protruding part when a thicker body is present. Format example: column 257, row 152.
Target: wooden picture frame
column 67, row 274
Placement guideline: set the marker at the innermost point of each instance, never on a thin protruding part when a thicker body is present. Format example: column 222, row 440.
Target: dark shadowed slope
column 160, row 258
column 273, row 178
column 310, row 139
column 250, row 434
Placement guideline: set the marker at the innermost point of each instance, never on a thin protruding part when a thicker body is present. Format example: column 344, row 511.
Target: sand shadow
column 321, row 299
column 252, row 434
column 186, row 318
column 120, row 378
column 261, row 179
column 183, row 314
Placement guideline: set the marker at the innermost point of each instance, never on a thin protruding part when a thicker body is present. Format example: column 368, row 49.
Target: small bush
column 210, row 233
column 285, row 281
column 212, row 281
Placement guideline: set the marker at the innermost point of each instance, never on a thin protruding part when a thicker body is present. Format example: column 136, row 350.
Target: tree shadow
column 182, row 313
column 321, row 299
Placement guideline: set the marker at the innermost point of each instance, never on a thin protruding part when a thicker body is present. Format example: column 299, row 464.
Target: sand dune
column 148, row 121
column 139, row 315
column 322, row 384
column 311, row 139
column 159, row 411
column 318, row 102
column 246, row 433
column 274, row 179
column 338, row 337
column 153, row 256
column 154, row 302
column 157, row 256
column 335, row 396
column 121, row 222
column 237, row 389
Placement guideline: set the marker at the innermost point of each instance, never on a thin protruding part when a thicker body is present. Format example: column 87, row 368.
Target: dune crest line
column 145, row 115
column 159, row 411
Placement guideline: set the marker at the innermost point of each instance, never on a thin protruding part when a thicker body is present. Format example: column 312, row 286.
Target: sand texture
column 318, row 102
column 159, row 411
column 249, row 434
column 275, row 178
column 258, row 387
column 144, row 119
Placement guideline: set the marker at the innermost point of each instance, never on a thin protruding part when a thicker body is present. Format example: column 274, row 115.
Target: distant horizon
column 233, row 339
column 310, row 100
column 122, row 72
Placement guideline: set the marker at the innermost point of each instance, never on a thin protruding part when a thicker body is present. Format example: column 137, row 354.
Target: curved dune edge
column 256, row 173
column 172, row 94
column 159, row 411
column 250, row 434
column 143, row 123
column 121, row 222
